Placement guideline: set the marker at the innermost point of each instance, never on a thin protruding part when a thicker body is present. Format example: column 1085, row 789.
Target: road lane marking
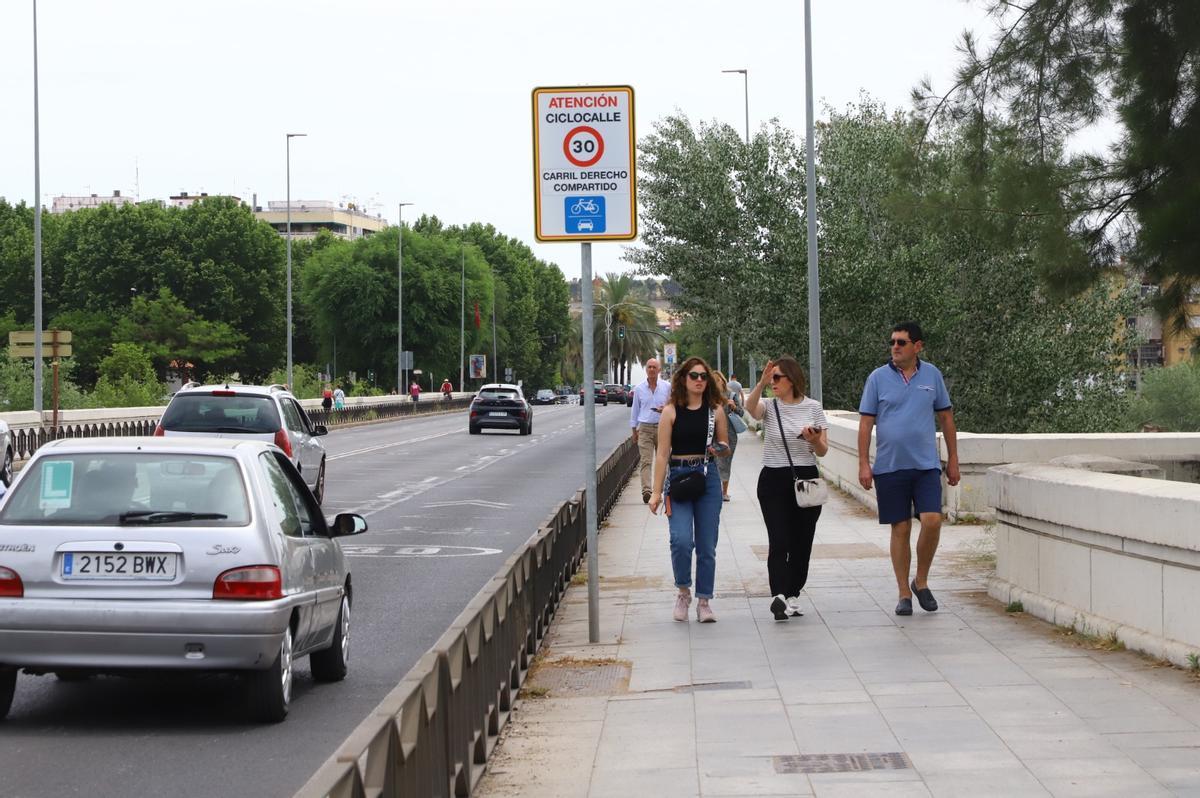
column 478, row 502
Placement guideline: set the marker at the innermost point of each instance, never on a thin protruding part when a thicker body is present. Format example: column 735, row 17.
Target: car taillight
column 283, row 441
column 10, row 584
column 159, row 431
column 250, row 583
column 224, row 393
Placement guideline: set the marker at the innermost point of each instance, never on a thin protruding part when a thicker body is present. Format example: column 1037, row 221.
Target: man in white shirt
column 649, row 398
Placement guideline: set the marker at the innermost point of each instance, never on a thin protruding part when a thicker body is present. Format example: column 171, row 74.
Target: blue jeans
column 693, row 527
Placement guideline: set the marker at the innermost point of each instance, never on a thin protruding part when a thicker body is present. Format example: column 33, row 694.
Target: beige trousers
column 647, row 446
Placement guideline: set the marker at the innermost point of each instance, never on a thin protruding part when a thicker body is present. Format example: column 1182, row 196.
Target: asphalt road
column 445, row 508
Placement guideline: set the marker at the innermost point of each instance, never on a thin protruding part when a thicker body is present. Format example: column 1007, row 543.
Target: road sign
column 406, row 360
column 26, row 337
column 26, row 350
column 508, row 375
column 584, row 150
column 669, row 354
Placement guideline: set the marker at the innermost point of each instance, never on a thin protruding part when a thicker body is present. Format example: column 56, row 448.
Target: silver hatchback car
column 128, row 555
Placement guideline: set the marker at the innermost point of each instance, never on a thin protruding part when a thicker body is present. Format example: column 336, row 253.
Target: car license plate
column 497, row 413
column 125, row 565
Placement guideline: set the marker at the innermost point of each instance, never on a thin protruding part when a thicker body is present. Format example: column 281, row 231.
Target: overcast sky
column 426, row 103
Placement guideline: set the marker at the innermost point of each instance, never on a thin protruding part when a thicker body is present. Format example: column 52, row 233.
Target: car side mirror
column 320, row 429
column 348, row 524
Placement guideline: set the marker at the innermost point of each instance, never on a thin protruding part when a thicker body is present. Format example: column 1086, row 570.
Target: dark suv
column 599, row 391
column 616, row 393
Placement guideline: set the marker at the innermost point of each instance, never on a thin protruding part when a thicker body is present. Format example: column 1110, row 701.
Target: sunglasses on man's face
column 900, row 342
column 698, row 375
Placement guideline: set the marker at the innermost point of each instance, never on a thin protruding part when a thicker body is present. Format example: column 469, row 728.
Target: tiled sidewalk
column 849, row 700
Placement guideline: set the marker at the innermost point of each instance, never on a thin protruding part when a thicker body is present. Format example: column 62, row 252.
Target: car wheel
column 330, row 665
column 6, row 471
column 8, row 686
column 269, row 692
column 319, row 490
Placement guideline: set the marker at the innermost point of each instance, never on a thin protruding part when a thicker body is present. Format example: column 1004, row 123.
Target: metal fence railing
column 26, row 440
column 432, row 734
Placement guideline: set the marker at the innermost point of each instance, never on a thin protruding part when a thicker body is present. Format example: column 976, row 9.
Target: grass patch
column 533, row 692
column 1081, row 636
column 970, row 519
column 1194, row 663
column 1015, row 606
column 580, row 577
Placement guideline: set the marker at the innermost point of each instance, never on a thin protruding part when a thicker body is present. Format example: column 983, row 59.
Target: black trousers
column 790, row 529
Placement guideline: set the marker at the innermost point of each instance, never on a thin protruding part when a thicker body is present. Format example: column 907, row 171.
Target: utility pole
column 400, row 383
column 462, row 321
column 810, row 210
column 37, row 232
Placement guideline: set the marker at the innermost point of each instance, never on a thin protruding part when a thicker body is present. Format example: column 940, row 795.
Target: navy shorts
column 907, row 493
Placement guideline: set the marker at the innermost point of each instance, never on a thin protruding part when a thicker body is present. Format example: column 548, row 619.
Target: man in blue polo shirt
column 901, row 399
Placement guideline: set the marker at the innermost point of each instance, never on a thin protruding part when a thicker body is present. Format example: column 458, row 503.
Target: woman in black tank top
column 689, row 420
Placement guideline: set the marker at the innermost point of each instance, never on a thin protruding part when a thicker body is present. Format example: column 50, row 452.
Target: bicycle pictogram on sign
column 584, row 214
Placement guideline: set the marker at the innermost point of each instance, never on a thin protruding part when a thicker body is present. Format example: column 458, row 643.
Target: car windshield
column 498, row 393
column 111, row 488
column 204, row 412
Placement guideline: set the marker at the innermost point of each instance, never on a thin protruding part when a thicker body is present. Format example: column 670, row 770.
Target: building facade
column 309, row 217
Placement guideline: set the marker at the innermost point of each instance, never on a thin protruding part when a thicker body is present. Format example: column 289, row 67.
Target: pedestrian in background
column 327, row 397
column 447, row 388
column 794, row 436
column 691, row 432
column 649, row 397
column 414, row 391
column 900, row 401
column 733, row 413
column 339, row 398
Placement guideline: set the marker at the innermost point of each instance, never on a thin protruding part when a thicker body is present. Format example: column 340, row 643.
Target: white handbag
column 809, row 492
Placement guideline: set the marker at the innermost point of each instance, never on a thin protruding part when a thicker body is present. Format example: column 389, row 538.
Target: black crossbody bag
column 690, row 485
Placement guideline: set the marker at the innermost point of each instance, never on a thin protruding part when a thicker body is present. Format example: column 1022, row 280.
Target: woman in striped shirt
column 790, row 529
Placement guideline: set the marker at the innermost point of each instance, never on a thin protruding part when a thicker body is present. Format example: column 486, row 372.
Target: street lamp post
column 745, row 73
column 289, row 137
column 814, row 285
column 37, row 233
column 400, row 302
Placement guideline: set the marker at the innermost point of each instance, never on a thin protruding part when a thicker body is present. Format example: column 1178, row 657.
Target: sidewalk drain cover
column 569, row 681
column 841, row 763
column 696, row 688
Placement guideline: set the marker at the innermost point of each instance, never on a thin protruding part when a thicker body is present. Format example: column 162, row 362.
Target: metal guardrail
column 432, row 734
column 26, row 440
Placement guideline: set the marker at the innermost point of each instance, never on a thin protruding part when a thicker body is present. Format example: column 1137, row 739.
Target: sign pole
column 56, row 393
column 589, row 434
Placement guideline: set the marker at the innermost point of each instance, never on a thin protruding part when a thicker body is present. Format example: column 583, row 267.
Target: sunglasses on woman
column 699, row 376
column 778, row 377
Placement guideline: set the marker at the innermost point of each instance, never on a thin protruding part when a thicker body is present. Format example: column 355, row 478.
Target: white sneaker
column 793, row 606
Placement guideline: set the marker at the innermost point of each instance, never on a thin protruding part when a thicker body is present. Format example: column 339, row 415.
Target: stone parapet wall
column 1177, row 454
column 1109, row 554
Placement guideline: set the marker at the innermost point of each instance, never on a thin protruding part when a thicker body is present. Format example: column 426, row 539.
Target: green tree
column 127, row 379
column 174, row 335
column 1170, row 399
column 16, row 385
column 1056, row 67
column 1017, row 357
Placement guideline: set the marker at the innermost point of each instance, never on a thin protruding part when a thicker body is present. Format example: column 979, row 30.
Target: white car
column 256, row 412
column 6, row 453
column 140, row 555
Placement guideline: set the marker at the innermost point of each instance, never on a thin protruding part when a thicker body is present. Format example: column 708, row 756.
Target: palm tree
column 631, row 309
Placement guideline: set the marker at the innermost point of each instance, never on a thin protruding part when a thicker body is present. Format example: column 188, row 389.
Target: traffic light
column 621, row 331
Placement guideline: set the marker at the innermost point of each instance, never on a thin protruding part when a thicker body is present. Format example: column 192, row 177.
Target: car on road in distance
column 616, row 393
column 500, row 406
column 257, row 412
column 133, row 556
column 629, row 396
column 544, row 396
column 6, row 454
column 599, row 392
